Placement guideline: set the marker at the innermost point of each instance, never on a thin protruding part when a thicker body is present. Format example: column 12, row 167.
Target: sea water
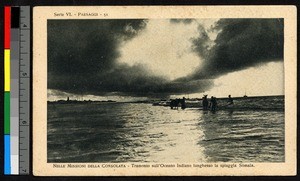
column 140, row 132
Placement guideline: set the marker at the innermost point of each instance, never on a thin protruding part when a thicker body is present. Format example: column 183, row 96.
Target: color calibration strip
column 7, row 160
column 17, row 89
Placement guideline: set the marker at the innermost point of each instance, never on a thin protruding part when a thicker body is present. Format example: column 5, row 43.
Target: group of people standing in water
column 212, row 105
column 206, row 104
column 175, row 103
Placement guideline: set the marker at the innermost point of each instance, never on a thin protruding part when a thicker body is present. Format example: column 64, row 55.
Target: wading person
column 183, row 106
column 230, row 100
column 204, row 102
column 213, row 103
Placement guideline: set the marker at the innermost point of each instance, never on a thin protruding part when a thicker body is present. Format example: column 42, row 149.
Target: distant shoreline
column 150, row 101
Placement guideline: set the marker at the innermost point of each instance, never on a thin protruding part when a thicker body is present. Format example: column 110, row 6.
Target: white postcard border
column 42, row 14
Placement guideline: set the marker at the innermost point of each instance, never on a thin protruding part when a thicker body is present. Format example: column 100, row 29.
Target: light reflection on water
column 167, row 135
column 123, row 132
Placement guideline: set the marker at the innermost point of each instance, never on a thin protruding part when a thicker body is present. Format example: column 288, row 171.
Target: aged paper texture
column 164, row 90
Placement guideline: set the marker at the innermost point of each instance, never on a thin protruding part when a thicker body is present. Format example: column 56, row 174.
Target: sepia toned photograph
column 171, row 92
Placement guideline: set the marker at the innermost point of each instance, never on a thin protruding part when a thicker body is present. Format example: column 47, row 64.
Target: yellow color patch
column 6, row 70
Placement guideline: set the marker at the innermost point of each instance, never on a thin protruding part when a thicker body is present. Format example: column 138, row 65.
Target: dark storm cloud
column 87, row 46
column 82, row 55
column 126, row 80
column 202, row 43
column 82, row 59
column 241, row 43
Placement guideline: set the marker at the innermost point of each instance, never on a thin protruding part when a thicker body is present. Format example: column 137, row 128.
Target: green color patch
column 6, row 112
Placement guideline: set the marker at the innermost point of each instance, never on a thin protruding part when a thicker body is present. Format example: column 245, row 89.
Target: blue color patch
column 7, row 166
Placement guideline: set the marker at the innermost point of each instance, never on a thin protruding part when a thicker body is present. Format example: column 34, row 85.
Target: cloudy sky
column 121, row 59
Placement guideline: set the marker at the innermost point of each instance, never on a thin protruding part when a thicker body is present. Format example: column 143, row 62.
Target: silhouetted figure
column 174, row 103
column 183, row 105
column 205, row 102
column 230, row 100
column 213, row 103
column 68, row 99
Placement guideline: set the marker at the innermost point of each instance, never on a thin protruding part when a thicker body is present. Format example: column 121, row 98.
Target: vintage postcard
column 164, row 90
